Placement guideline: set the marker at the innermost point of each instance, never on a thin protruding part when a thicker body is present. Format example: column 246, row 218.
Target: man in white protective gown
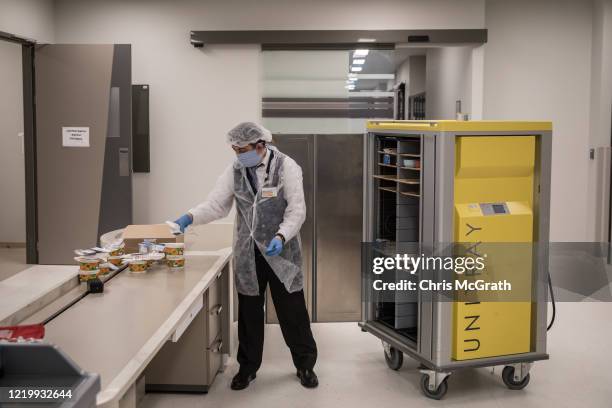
column 266, row 186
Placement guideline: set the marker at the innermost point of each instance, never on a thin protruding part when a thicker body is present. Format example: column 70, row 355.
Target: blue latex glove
column 275, row 247
column 184, row 221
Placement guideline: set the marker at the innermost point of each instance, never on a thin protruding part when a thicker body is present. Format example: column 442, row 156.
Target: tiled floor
column 353, row 373
column 12, row 260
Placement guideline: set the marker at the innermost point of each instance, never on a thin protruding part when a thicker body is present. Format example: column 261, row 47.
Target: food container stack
column 175, row 255
column 150, row 254
column 89, row 267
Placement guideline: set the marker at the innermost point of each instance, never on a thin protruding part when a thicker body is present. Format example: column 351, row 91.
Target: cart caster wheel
column 437, row 394
column 508, row 377
column 394, row 358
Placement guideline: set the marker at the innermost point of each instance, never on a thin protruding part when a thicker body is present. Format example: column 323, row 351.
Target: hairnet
column 246, row 133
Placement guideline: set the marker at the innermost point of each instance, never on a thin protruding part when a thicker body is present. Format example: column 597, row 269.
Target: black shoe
column 241, row 381
column 308, row 378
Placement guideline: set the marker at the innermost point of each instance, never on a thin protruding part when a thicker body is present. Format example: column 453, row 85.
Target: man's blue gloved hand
column 184, row 221
column 275, row 247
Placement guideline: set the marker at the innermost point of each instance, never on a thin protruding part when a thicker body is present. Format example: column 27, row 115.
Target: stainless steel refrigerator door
column 338, row 228
column 83, row 190
column 301, row 149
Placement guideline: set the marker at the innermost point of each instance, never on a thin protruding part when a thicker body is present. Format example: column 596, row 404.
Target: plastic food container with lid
column 105, row 269
column 87, row 263
column 117, row 249
column 174, row 248
column 116, row 260
column 85, row 276
column 175, row 261
column 138, row 265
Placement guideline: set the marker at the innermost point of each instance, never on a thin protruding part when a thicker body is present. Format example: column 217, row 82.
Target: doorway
column 12, row 156
column 84, row 89
column 317, row 103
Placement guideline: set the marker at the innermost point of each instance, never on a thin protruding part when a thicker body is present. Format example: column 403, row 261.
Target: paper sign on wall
column 75, row 136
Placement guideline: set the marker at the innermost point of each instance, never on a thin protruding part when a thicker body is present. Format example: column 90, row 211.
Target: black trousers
column 292, row 316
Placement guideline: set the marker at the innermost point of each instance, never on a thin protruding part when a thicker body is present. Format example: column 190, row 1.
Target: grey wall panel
column 339, row 218
column 301, row 149
column 30, row 154
column 72, row 89
column 116, row 197
column 140, row 129
column 337, row 39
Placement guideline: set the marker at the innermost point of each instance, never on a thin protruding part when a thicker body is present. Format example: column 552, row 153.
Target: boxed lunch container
column 159, row 233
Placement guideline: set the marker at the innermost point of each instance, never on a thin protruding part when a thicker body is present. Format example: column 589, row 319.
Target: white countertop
column 117, row 333
column 23, row 293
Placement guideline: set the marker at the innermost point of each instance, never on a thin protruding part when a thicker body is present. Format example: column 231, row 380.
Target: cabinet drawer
column 213, row 311
column 215, row 359
column 214, row 293
column 214, row 326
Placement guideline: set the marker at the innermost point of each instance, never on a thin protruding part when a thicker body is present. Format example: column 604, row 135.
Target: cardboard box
column 160, row 233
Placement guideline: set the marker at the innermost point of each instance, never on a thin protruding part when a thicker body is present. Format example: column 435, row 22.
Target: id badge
column 269, row 192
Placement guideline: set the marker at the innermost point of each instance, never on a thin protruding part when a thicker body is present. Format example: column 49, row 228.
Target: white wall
column 600, row 113
column 12, row 177
column 412, row 71
column 402, row 74
column 33, row 19
column 537, row 67
column 196, row 95
column 448, row 79
column 476, row 110
column 418, row 74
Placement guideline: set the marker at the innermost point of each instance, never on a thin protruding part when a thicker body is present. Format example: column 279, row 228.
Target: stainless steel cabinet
column 332, row 166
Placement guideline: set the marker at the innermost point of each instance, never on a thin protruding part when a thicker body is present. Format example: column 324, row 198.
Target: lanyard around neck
column 269, row 164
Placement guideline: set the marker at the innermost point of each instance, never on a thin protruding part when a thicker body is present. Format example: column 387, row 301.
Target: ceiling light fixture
column 360, row 53
column 358, row 61
column 356, row 69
